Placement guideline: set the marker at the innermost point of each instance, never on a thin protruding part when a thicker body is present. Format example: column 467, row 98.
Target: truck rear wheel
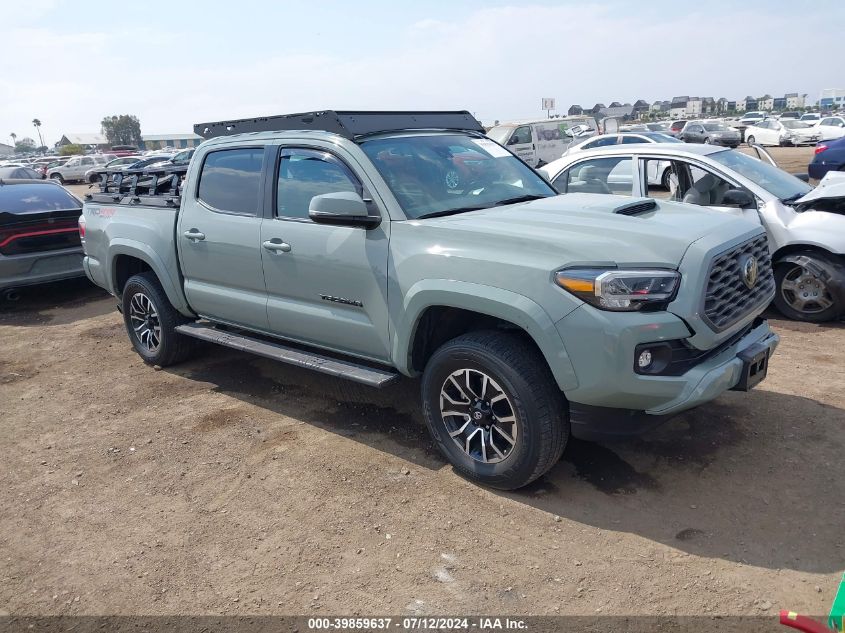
column 151, row 320
column 494, row 409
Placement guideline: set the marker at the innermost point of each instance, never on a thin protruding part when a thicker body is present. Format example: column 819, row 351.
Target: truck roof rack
column 351, row 124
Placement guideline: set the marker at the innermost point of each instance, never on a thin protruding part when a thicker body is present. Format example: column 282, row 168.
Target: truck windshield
column 441, row 174
column 776, row 181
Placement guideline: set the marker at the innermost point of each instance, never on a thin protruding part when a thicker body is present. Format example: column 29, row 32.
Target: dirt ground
column 233, row 485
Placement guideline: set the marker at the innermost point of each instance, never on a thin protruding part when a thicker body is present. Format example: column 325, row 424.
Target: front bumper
column 601, row 346
column 726, row 141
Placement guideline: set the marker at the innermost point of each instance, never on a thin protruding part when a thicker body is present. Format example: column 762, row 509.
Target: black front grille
column 728, row 299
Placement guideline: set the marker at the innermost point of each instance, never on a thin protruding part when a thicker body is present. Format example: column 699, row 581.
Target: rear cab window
column 25, row 198
column 230, row 179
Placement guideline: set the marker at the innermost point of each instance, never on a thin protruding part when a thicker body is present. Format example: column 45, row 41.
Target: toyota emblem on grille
column 748, row 270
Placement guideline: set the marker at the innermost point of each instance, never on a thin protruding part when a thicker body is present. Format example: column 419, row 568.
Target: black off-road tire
column 58, row 178
column 173, row 347
column 750, row 140
column 539, row 406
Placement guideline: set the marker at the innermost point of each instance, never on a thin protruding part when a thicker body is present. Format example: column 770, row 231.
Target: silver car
column 806, row 236
column 76, row 167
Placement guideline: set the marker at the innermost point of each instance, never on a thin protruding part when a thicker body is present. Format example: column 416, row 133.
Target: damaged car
column 805, row 226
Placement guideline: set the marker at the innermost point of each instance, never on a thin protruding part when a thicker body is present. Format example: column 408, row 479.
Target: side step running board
column 363, row 374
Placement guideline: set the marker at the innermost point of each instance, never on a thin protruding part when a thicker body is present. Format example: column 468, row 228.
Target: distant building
column 766, row 102
column 615, row 104
column 176, row 141
column 85, row 138
column 6, row 150
column 746, row 105
column 731, row 106
column 721, row 105
column 794, row 101
column 597, row 108
column 640, row 108
column 832, row 99
column 660, row 106
column 779, row 104
column 575, row 110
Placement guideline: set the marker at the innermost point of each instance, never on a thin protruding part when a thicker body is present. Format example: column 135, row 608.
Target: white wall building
column 832, row 99
column 6, row 150
column 795, row 101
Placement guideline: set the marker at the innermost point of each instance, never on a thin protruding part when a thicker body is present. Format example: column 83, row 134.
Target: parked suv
column 75, row 168
column 339, row 242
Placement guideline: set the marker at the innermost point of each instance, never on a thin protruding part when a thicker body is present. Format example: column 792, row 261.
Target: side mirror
column 737, row 198
column 345, row 208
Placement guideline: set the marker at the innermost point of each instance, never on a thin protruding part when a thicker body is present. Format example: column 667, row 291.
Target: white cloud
column 497, row 62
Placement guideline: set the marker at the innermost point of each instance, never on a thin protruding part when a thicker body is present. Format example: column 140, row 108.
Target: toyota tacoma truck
column 374, row 245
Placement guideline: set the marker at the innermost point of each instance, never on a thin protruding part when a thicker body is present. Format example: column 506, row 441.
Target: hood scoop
column 643, row 205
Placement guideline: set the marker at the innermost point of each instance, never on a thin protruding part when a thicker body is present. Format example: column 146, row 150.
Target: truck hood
column 585, row 227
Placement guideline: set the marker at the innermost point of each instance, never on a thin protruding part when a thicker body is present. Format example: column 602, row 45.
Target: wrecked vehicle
column 342, row 242
column 806, row 226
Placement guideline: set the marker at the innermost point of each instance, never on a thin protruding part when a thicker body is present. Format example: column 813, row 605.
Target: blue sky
column 70, row 63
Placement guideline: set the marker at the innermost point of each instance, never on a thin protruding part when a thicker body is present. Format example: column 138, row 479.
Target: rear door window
column 229, row 180
column 612, row 175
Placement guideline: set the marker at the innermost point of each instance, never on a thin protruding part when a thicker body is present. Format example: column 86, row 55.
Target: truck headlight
column 619, row 289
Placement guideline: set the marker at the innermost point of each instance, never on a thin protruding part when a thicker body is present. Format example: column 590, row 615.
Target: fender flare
column 172, row 287
column 832, row 273
column 488, row 300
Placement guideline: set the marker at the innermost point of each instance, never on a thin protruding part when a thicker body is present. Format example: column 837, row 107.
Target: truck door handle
column 276, row 245
column 194, row 235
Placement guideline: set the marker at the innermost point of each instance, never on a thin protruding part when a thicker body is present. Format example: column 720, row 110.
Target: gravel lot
column 233, row 485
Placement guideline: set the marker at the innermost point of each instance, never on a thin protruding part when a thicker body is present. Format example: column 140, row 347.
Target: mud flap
column 832, row 273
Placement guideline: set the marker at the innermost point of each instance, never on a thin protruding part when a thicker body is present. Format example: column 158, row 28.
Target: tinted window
column 601, row 142
column 629, row 140
column 305, row 173
column 36, row 197
column 662, row 138
column 229, row 180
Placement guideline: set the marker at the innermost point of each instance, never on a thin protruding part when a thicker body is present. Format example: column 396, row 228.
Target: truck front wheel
column 494, row 409
column 151, row 320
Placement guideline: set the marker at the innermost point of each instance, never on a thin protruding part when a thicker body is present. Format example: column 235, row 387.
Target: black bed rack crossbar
column 351, row 124
column 165, row 184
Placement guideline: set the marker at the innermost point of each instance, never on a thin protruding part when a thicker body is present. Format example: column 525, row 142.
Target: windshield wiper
column 792, row 198
column 498, row 203
column 525, row 198
column 455, row 211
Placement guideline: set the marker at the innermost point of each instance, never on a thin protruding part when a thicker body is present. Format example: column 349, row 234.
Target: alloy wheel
column 479, row 416
column 145, row 321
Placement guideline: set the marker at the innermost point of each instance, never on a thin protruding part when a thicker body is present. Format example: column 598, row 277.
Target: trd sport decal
column 350, row 302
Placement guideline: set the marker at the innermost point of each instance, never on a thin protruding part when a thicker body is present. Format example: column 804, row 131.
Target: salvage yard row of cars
column 519, row 295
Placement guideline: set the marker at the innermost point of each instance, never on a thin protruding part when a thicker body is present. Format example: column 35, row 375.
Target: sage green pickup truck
column 374, row 245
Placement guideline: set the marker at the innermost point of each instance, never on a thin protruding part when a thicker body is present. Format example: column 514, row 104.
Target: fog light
column 644, row 359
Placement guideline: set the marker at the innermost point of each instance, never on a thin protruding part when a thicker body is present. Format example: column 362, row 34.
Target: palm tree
column 14, row 138
column 37, row 124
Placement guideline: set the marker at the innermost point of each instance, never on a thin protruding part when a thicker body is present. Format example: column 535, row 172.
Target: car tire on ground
column 707, row 140
column 93, row 179
column 493, row 408
column 58, row 178
column 750, row 140
column 665, row 181
column 151, row 322
column 801, row 295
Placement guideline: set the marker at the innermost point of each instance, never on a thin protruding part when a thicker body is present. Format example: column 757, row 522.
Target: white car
column 76, row 167
column 750, row 118
column 807, row 243
column 118, row 164
column 811, row 117
column 788, row 132
column 831, row 127
column 658, row 173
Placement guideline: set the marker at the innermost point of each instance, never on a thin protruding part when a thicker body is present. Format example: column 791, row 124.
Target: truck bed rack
column 149, row 186
column 351, row 124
